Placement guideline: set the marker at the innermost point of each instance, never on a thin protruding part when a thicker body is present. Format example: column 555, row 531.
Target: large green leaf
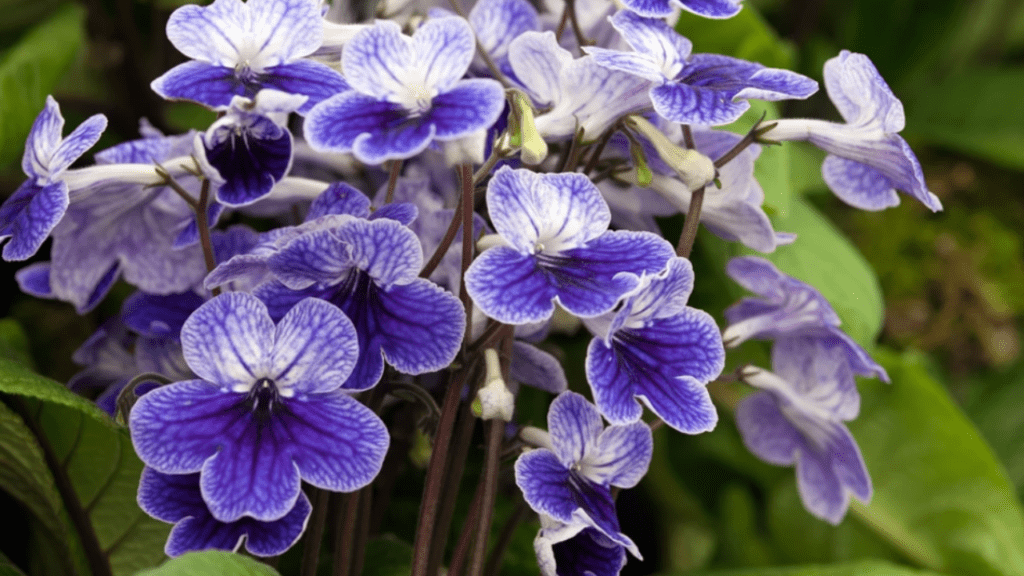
column 825, row 259
column 978, row 113
column 102, row 466
column 941, row 496
column 25, row 476
column 212, row 563
column 869, row 568
column 996, row 409
column 18, row 379
column 30, row 70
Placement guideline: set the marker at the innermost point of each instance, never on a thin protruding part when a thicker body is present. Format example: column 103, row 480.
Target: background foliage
column 942, row 294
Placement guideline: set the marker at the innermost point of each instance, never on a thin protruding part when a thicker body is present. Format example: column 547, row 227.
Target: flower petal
column 510, row 287
column 469, row 106
column 315, row 348
column 575, row 425
column 201, row 82
column 228, row 340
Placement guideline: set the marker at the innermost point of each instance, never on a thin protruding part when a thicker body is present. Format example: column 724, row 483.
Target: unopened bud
column 694, row 169
column 534, row 148
column 494, row 399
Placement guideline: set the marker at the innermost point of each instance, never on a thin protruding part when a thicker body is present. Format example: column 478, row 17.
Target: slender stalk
column 495, row 434
column 520, row 513
column 344, row 538
column 456, row 467
column 690, row 225
column 203, row 224
column 595, row 156
column 444, row 245
column 314, row 537
column 753, row 135
column 435, row 472
column 688, row 137
column 99, row 564
column 466, row 535
column 484, row 170
column 362, row 531
column 572, row 156
column 467, row 243
column 394, row 169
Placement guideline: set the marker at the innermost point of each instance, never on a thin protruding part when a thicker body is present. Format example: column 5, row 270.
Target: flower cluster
column 420, row 225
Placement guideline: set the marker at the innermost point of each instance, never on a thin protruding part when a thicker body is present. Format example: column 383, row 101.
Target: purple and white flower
column 702, row 89
column 656, row 349
column 797, row 419
column 239, row 48
column 406, row 93
column 573, row 550
column 570, row 480
column 788, row 308
column 557, row 247
column 868, row 161
column 266, row 412
column 555, row 81
column 369, row 269
column 35, row 208
column 249, row 149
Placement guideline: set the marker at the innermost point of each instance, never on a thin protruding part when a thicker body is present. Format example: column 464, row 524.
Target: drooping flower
column 266, row 412
column 406, row 93
column 177, row 498
column 249, row 149
column 572, row 550
column 571, row 479
column 656, row 349
column 702, row 89
column 555, row 227
column 788, row 308
column 238, row 48
column 35, row 208
column 868, row 161
column 797, row 419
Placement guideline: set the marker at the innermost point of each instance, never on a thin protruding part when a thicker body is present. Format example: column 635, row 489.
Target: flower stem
column 394, row 169
column 690, row 225
column 314, row 537
column 435, row 471
column 489, row 481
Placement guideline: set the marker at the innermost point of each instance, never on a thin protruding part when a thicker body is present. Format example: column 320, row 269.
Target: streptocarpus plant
column 460, row 189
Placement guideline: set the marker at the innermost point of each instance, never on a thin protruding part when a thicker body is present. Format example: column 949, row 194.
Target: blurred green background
column 944, row 443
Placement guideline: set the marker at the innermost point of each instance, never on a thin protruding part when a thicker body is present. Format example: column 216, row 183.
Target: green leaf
column 941, row 496
column 17, row 379
column 996, row 409
column 387, row 556
column 977, row 112
column 211, row 562
column 30, row 70
column 825, row 259
column 746, row 35
column 25, row 476
column 869, row 568
column 8, row 568
column 14, row 342
column 102, row 466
